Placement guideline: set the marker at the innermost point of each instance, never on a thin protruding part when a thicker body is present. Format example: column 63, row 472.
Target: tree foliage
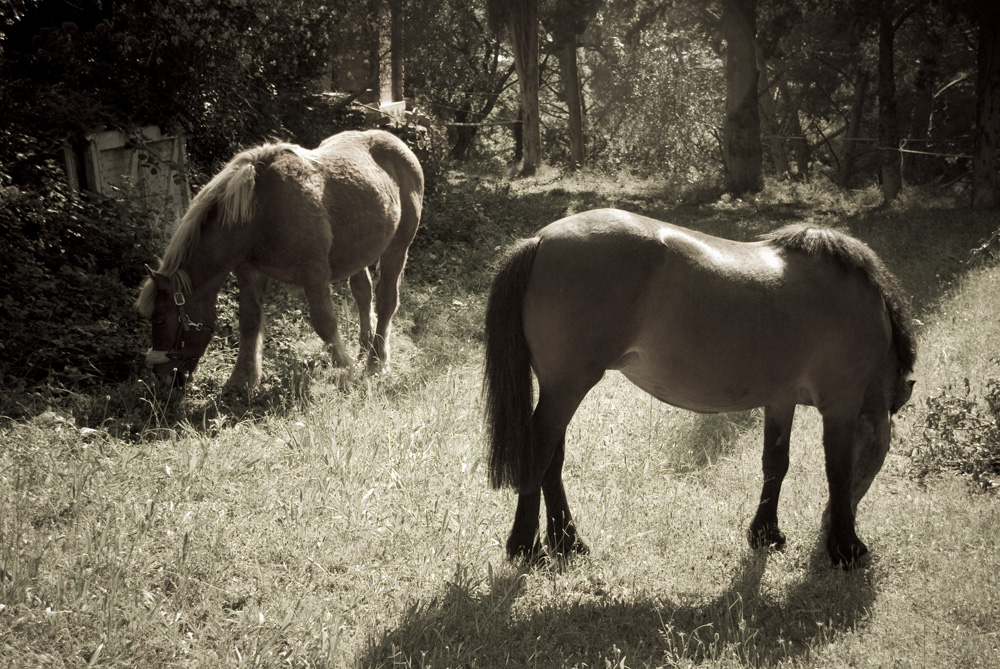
column 655, row 91
column 225, row 71
column 651, row 75
column 823, row 56
column 468, row 54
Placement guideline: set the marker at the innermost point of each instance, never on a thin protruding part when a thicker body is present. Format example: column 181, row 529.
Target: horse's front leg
column 764, row 529
column 871, row 445
column 361, row 288
column 843, row 545
column 324, row 321
column 247, row 371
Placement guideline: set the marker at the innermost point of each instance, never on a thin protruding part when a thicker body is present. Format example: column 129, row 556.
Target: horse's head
column 179, row 339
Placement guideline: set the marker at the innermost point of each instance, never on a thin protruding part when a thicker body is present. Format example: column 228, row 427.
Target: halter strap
column 185, row 320
column 187, row 356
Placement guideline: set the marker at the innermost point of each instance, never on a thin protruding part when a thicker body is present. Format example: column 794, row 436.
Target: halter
column 187, row 356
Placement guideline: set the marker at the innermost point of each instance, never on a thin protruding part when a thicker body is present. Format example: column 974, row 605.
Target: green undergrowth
column 956, row 417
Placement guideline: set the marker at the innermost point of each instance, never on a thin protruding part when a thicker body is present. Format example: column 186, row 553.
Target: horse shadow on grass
column 498, row 621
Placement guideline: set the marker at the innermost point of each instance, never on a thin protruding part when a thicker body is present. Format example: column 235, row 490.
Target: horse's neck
column 210, row 261
column 204, row 281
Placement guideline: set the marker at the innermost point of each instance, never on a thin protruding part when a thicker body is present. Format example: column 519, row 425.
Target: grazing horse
column 805, row 316
column 302, row 217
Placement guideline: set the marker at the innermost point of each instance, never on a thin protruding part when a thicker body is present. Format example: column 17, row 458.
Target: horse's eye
column 159, row 321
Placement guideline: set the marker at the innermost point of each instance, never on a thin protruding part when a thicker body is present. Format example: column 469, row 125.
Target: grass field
column 323, row 527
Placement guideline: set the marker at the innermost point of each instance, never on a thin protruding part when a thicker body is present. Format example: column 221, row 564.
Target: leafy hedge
column 961, row 432
column 68, row 275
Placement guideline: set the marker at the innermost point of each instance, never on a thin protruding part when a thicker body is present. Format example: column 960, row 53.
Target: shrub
column 68, row 275
column 961, row 432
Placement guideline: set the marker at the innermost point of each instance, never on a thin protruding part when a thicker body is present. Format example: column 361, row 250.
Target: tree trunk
column 915, row 166
column 574, row 101
column 741, row 151
column 888, row 135
column 985, row 186
column 800, row 145
column 396, row 49
column 465, row 135
column 524, row 35
column 769, row 120
column 517, row 130
column 854, row 128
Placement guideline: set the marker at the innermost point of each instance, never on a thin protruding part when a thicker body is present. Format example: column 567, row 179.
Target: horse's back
column 372, row 174
column 349, row 200
column 699, row 322
column 370, row 152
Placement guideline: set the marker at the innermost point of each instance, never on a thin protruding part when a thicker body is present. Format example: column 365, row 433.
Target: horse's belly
column 710, row 386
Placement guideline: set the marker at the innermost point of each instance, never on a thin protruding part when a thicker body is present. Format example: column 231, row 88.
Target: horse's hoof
column 376, row 366
column 239, row 388
column 848, row 556
column 765, row 536
column 566, row 549
column 343, row 378
column 339, row 358
column 530, row 556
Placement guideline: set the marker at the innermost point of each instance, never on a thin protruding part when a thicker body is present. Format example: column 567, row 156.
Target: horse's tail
column 855, row 254
column 507, row 384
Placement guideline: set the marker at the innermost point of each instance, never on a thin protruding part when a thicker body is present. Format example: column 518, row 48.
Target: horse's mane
column 854, row 254
column 230, row 194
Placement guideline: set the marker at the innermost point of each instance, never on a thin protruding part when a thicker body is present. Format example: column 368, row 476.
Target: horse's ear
column 159, row 280
column 902, row 395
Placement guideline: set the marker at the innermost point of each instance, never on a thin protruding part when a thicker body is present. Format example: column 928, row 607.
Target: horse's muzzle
column 154, row 358
column 173, row 369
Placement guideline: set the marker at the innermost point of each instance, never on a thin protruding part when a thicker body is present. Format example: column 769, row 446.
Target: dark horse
column 305, row 218
column 805, row 316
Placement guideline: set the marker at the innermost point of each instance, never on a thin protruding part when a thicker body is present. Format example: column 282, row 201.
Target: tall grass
column 324, row 526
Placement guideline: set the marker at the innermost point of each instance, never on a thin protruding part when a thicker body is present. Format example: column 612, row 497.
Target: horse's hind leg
column 361, row 288
column 561, row 530
column 548, row 426
column 777, row 431
column 247, row 371
column 390, row 275
column 522, row 542
column 561, row 533
column 324, row 321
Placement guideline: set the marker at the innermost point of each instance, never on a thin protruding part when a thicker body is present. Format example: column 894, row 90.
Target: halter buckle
column 189, row 324
column 179, row 299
